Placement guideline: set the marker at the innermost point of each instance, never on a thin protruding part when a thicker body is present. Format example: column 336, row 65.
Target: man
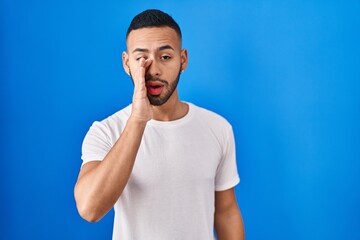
column 167, row 167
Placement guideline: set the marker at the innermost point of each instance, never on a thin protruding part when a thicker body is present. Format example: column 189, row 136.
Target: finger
column 140, row 76
column 142, row 66
column 141, row 62
column 147, row 63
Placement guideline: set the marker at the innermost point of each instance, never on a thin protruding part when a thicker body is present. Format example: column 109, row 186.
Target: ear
column 125, row 60
column 184, row 59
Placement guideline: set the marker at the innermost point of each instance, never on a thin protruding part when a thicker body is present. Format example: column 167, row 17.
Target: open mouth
column 154, row 88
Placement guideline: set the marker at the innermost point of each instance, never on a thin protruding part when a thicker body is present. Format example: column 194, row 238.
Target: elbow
column 90, row 217
column 88, row 214
column 87, row 210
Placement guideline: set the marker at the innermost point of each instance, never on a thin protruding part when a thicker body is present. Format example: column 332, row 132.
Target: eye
column 138, row 58
column 165, row 57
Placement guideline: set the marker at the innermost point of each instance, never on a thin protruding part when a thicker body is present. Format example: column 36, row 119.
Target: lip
column 154, row 88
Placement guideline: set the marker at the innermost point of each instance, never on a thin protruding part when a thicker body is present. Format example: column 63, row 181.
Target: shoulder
column 212, row 123
column 209, row 117
column 114, row 123
column 120, row 117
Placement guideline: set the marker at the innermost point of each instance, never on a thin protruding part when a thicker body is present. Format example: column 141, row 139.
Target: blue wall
column 286, row 74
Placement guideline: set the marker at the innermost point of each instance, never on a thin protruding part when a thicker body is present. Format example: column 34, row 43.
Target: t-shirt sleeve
column 96, row 143
column 227, row 175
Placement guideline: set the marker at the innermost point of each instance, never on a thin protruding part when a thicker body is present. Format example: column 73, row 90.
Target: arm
column 228, row 221
column 100, row 183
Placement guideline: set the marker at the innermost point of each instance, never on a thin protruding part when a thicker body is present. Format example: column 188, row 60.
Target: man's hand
column 141, row 107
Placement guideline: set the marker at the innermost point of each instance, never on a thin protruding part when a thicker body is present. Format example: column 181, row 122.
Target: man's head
column 154, row 35
column 153, row 18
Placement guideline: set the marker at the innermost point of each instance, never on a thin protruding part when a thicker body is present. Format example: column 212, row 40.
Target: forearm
column 229, row 225
column 98, row 189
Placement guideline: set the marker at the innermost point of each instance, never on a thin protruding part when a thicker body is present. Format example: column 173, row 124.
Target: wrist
column 137, row 121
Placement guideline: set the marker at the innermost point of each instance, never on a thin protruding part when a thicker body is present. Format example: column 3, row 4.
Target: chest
column 175, row 159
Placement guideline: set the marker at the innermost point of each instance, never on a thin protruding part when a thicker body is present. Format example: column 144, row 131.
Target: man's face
column 162, row 46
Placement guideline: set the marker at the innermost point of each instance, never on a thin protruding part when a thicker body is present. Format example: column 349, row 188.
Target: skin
column 154, row 56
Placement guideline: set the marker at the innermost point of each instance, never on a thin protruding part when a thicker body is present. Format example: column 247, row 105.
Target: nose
column 154, row 69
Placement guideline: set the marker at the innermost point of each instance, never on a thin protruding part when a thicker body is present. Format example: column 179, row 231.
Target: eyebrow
column 166, row 47
column 159, row 49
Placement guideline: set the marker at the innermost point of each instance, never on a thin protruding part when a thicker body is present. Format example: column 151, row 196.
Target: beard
column 167, row 92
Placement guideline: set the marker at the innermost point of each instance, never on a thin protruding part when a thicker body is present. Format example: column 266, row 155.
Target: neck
column 172, row 110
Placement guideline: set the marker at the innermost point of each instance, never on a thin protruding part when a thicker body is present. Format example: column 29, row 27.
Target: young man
column 167, row 167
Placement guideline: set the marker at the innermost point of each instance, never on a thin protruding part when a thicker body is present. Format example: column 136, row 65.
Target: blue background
column 286, row 74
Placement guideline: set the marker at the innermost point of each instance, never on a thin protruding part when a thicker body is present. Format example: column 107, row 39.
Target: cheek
column 175, row 71
column 132, row 64
column 174, row 65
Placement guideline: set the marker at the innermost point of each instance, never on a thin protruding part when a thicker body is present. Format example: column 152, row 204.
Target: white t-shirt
column 179, row 166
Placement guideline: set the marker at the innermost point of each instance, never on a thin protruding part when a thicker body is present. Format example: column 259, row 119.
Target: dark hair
column 153, row 18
